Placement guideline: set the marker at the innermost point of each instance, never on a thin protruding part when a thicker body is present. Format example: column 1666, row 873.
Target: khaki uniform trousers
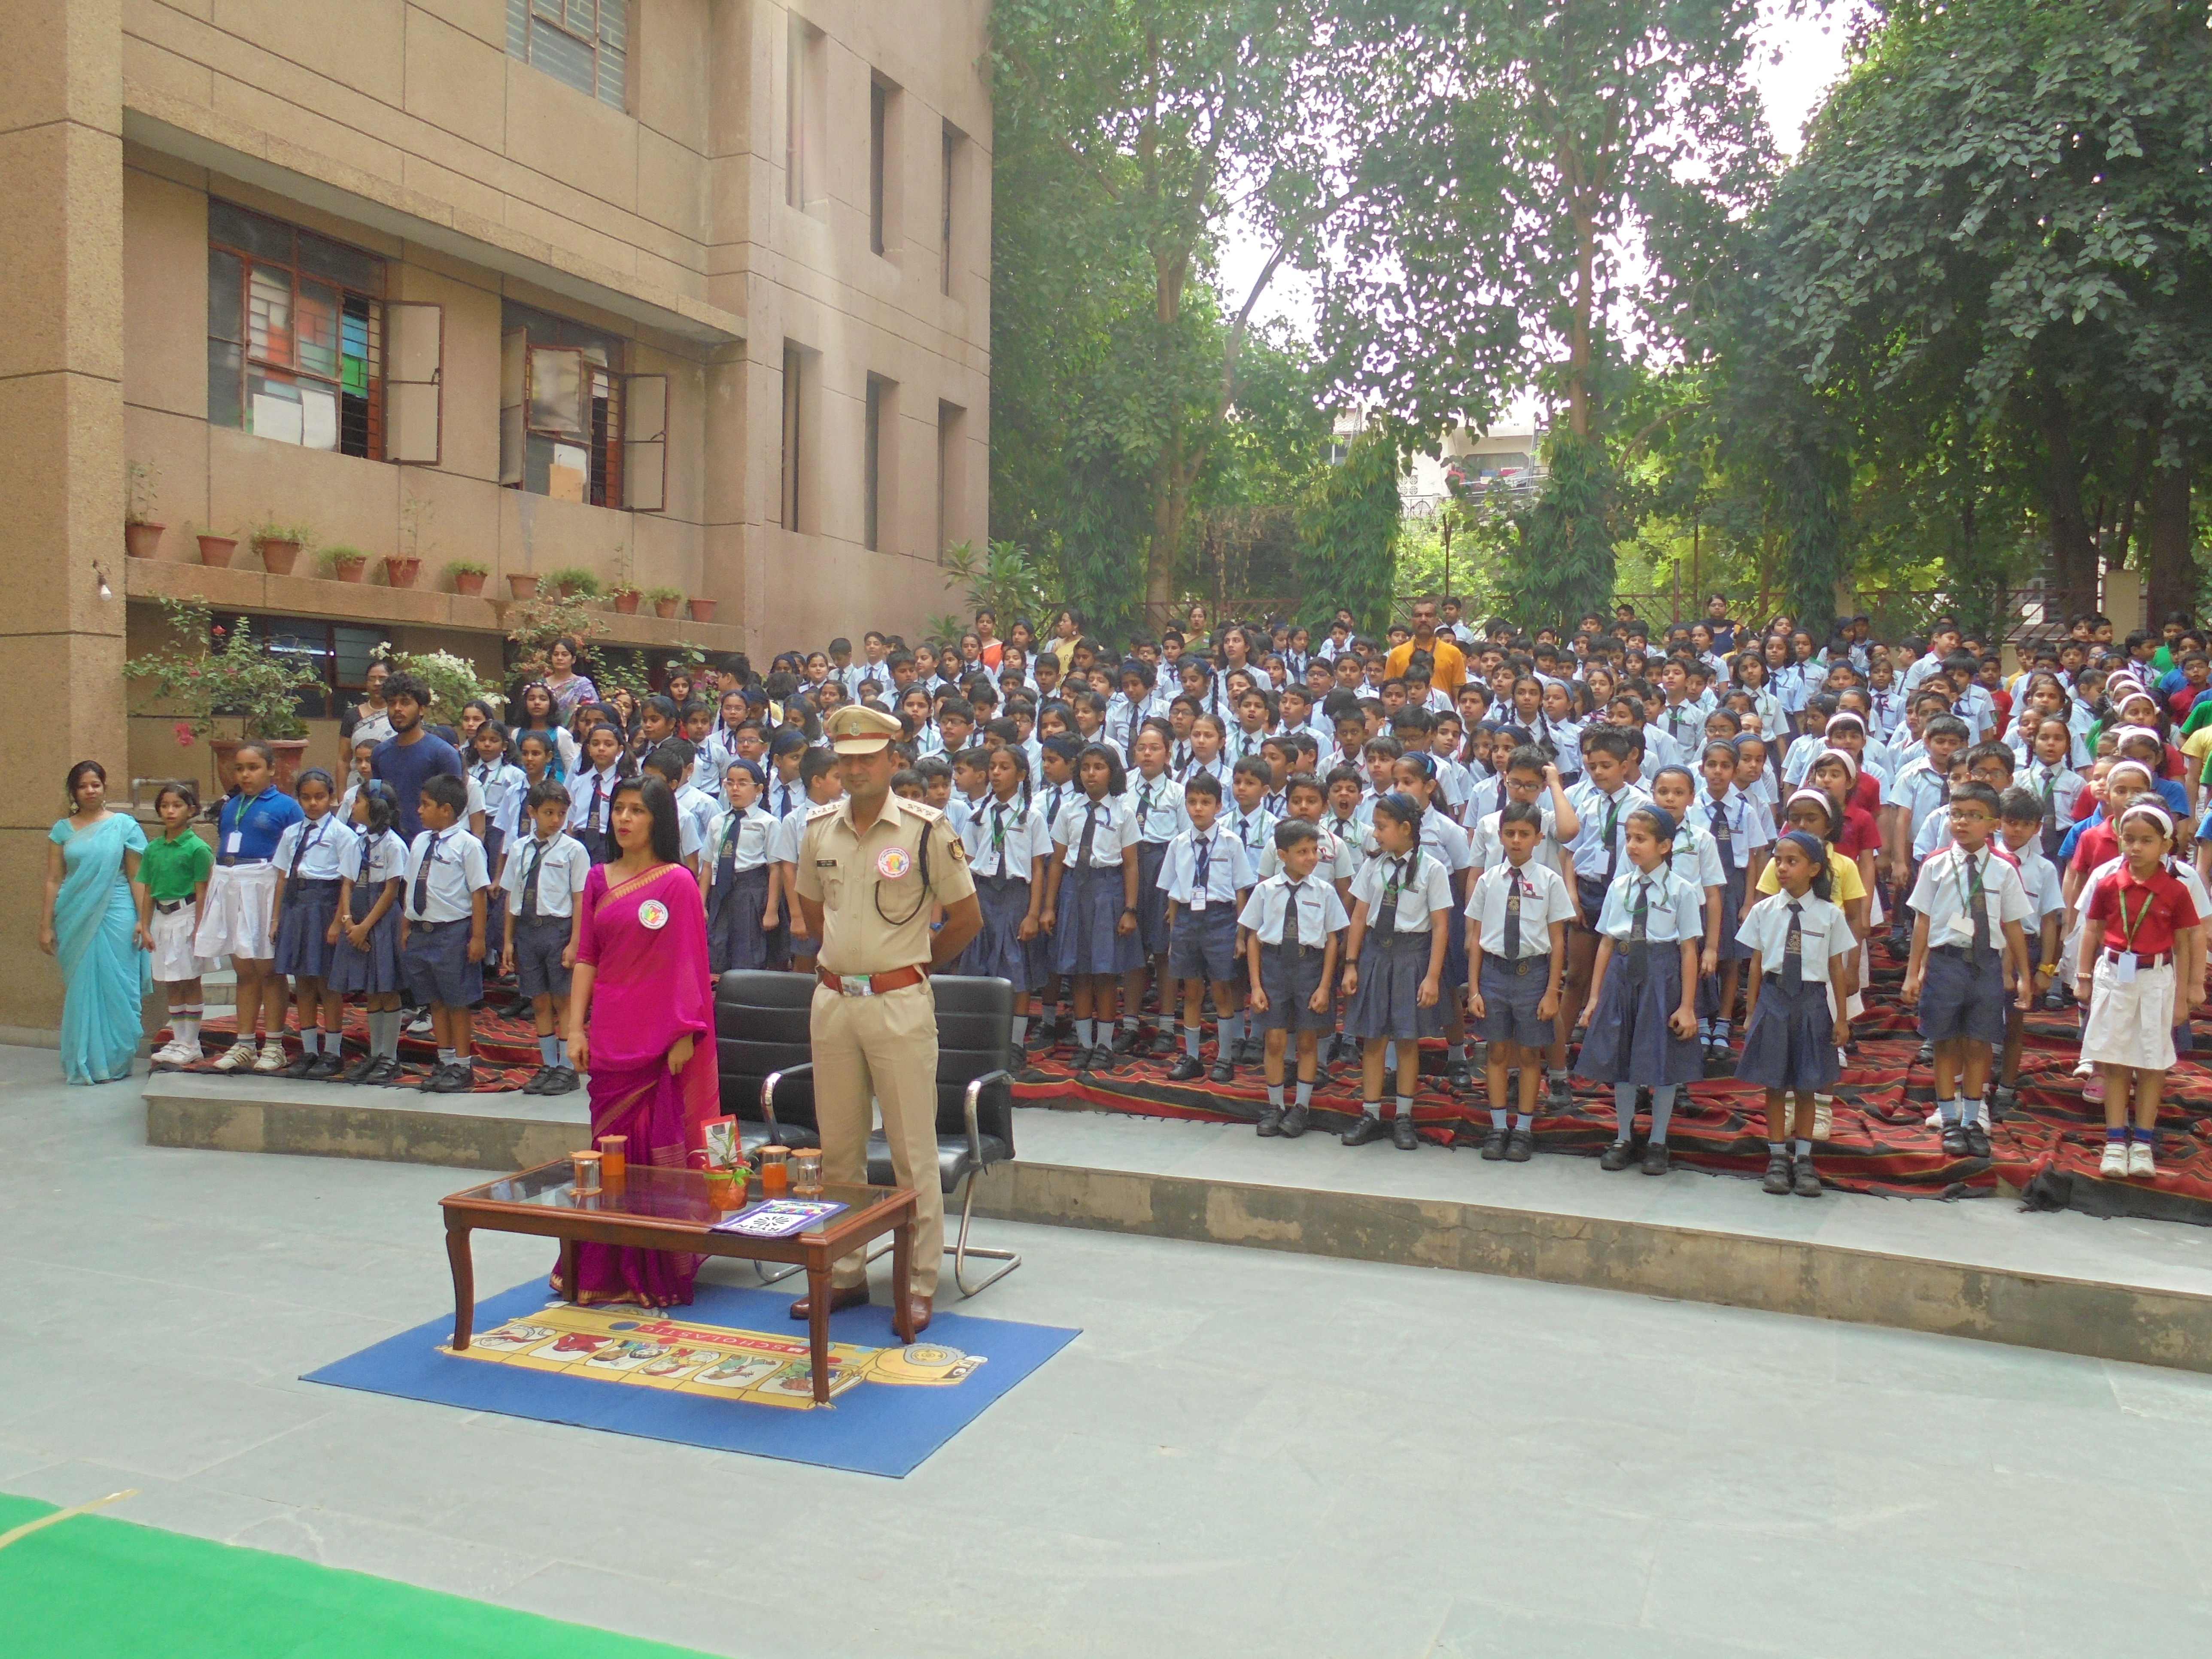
column 885, row 1045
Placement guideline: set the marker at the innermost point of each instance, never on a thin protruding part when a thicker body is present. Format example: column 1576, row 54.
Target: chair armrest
column 968, row 1099
column 767, row 1088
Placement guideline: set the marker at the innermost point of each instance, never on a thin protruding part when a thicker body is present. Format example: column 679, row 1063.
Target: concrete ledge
column 2104, row 1319
column 488, row 1132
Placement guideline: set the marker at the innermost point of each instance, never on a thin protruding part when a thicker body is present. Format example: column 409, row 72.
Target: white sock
column 1371, row 1108
column 1405, row 1106
column 1086, row 1033
column 1128, row 1022
column 311, row 1040
column 1021, row 1028
column 1456, row 1051
column 549, row 1050
column 1167, row 1025
column 445, row 1056
column 1305, row 1093
column 560, row 1051
column 1497, row 1115
column 1190, row 1039
column 1804, row 1149
column 1970, row 1111
column 1275, row 1096
column 1524, row 1121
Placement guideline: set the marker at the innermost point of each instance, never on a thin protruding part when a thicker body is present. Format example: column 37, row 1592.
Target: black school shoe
column 1493, row 1144
column 299, row 1064
column 1777, row 1174
column 454, row 1079
column 1163, row 1044
column 1459, row 1075
column 1188, row 1069
column 563, row 1081
column 1520, row 1147
column 1562, row 1095
column 1804, row 1179
column 1223, row 1072
column 1295, row 1119
column 1370, row 1128
column 1124, row 1040
column 1618, row 1155
column 1271, row 1120
column 328, row 1065
column 1925, row 1055
column 361, row 1070
column 1403, row 1135
column 1977, row 1140
column 1656, row 1161
column 2002, row 1102
column 1954, row 1141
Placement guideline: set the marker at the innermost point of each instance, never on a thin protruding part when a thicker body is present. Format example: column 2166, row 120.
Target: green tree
column 1348, row 535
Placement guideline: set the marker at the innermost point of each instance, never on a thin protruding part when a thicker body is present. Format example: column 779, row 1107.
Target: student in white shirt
column 541, row 887
column 1291, row 925
column 740, row 866
column 2021, row 823
column 311, row 856
column 590, row 793
column 1091, row 900
column 1156, row 802
column 1008, row 851
column 1801, row 945
column 1518, row 911
column 1395, row 962
column 1206, row 874
column 817, row 772
column 442, row 928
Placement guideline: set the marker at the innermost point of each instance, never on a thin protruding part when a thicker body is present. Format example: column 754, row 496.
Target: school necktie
column 1090, row 834
column 1386, row 918
column 1052, row 806
column 309, row 835
column 782, row 801
column 1978, row 902
column 1144, row 808
column 1793, row 950
column 1290, row 891
column 1717, row 811
column 2050, row 798
column 999, row 835
column 1512, row 913
column 1201, row 881
column 422, row 878
column 1639, row 945
column 529, row 880
column 592, row 813
column 1611, row 829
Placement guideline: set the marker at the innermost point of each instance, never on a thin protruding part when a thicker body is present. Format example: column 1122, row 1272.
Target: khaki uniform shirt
column 875, row 913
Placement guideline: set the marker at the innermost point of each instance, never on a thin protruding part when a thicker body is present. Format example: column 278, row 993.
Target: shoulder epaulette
column 814, row 812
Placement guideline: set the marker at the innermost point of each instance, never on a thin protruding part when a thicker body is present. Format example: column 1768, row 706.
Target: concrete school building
column 690, row 293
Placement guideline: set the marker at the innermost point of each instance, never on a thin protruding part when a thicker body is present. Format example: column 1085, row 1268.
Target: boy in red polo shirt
column 2139, row 936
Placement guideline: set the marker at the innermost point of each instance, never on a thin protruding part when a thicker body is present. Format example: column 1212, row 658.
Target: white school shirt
column 456, row 861
column 498, row 782
column 565, row 863
column 1748, row 825
column 1255, row 829
column 1003, row 837
column 1052, row 799
column 579, row 799
column 2044, row 884
column 1698, row 855
column 1591, row 849
column 330, row 843
column 1544, row 900
column 1426, row 889
column 1339, row 858
column 2058, row 787
column 1165, row 818
column 1674, row 906
column 1823, row 933
column 1885, row 712
column 1228, row 869
column 749, row 835
column 371, row 865
column 696, row 814
column 790, row 828
column 1116, row 829
column 1931, row 834
column 1485, row 851
column 1940, row 893
column 1683, row 723
column 1320, row 912
column 1918, row 787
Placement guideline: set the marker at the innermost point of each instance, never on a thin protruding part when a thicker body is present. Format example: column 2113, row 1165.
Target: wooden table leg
column 568, row 1287
column 464, row 1286
column 818, row 1321
column 902, row 1279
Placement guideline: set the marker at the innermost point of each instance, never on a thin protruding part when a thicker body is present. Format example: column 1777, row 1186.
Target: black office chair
column 765, row 1056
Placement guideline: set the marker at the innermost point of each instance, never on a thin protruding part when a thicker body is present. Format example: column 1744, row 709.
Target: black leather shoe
column 362, row 1070
column 298, row 1065
column 1493, row 1144
column 1618, row 1155
column 1295, row 1119
column 1804, row 1179
column 538, row 1080
column 1925, row 1055
column 1271, row 1120
column 1124, row 1040
column 328, row 1065
column 1561, row 1097
column 1459, row 1075
column 1954, row 1141
column 1656, row 1162
column 1977, row 1140
column 564, row 1081
column 1223, row 1072
column 1520, row 1147
column 1777, row 1174
column 841, row 1297
column 1102, row 1058
column 1163, row 1045
column 1188, row 1069
column 454, row 1079
column 1370, row 1128
column 1249, row 1052
column 2003, row 1103
column 1403, row 1135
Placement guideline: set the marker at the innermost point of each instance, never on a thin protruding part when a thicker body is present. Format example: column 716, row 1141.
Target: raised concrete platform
column 2118, row 1290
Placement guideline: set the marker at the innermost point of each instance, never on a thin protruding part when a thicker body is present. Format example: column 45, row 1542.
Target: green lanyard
column 2127, row 927
column 1968, row 885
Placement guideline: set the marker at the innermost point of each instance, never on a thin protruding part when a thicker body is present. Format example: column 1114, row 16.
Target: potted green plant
column 574, row 583
column 522, row 584
column 624, row 596
column 400, row 569
column 453, row 681
column 346, row 563
column 142, row 532
column 702, row 610
column 468, row 576
column 214, row 550
column 279, row 544
column 666, row 601
column 209, row 674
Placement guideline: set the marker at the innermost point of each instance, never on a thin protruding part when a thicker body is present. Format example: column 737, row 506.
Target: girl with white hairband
column 2142, row 941
column 1812, row 812
column 2143, row 744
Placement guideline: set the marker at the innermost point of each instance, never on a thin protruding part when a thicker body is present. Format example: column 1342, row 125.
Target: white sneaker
column 2113, row 1166
column 272, row 1058
column 2085, row 1069
column 1824, row 1118
column 2142, row 1165
column 1936, row 1119
column 177, row 1053
column 238, row 1054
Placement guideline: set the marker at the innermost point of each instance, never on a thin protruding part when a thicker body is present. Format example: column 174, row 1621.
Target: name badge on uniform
column 2124, row 969
column 230, row 842
column 1962, row 930
column 1197, row 901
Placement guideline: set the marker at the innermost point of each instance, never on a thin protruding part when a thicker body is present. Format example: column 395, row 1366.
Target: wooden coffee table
column 657, row 1209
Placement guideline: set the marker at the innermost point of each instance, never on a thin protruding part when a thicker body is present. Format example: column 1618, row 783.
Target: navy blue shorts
column 438, row 970
column 1958, row 1001
column 1204, row 943
column 1512, row 992
column 539, row 943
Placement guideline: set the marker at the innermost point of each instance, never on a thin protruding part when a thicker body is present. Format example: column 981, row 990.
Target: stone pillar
column 61, row 424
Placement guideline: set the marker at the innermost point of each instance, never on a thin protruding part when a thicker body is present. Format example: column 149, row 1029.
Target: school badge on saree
column 653, row 914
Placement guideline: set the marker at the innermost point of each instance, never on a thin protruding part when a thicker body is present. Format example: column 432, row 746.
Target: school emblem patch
column 653, row 914
column 893, row 862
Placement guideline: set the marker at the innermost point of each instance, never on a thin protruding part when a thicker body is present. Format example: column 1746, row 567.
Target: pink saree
column 648, row 940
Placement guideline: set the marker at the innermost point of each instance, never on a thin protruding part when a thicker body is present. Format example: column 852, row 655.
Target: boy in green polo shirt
column 172, row 876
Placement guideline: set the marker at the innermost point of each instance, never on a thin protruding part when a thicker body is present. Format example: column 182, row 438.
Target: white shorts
column 240, row 900
column 174, row 959
column 2131, row 1025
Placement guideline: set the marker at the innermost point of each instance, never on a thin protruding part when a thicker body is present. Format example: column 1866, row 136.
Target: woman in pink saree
column 641, row 979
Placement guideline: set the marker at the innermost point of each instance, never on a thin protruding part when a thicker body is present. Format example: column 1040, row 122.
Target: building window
column 561, row 408
column 788, row 495
column 949, row 419
column 338, row 654
column 583, row 44
column 872, row 466
column 878, row 102
column 806, row 70
column 950, row 157
column 294, row 334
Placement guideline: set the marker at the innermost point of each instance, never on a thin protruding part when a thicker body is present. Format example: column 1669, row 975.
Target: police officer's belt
column 871, row 985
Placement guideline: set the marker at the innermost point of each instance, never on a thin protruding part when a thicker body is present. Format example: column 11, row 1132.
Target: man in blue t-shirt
column 411, row 756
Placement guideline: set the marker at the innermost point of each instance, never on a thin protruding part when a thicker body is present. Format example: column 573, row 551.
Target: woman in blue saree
column 90, row 923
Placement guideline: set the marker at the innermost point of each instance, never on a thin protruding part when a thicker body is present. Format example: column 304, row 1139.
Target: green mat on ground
column 90, row 1587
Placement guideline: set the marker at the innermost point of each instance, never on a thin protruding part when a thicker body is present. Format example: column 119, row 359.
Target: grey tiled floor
column 1245, row 1454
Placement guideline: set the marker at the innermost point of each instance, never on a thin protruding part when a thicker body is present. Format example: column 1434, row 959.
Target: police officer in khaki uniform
column 866, row 885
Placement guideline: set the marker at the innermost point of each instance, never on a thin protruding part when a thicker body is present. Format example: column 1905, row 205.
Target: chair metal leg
column 962, row 1249
column 767, row 1278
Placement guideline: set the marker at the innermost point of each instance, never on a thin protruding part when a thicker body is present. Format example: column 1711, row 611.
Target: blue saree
column 106, row 974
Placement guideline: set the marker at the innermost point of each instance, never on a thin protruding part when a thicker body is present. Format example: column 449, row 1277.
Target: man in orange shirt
column 1450, row 662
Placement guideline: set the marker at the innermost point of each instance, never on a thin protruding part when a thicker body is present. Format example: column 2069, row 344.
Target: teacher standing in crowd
column 870, row 867
column 90, row 921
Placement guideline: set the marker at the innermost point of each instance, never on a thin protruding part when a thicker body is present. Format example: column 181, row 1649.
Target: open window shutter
column 560, row 393
column 645, row 442
column 414, row 358
column 513, row 398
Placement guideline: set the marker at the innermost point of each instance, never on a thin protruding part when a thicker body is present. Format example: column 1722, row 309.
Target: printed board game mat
column 729, row 1372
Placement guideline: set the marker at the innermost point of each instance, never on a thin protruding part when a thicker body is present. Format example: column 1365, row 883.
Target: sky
column 1797, row 59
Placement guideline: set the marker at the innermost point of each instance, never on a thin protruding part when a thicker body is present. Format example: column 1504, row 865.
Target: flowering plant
column 453, row 680
column 211, row 670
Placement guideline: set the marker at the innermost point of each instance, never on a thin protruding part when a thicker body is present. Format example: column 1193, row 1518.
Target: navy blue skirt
column 1791, row 1042
column 374, row 971
column 997, row 950
column 1629, row 1041
column 303, row 945
column 735, row 938
column 1290, row 979
column 1388, row 1002
column 1085, row 936
column 1151, row 898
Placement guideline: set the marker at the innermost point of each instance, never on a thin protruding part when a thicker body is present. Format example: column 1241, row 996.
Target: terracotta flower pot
column 277, row 557
column 667, row 607
column 401, row 573
column 626, row 603
column 569, row 590
column 522, row 584
column 216, row 551
column 703, row 609
column 142, row 541
column 350, row 569
column 470, row 582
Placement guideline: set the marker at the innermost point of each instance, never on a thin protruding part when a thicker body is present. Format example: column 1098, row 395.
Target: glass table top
column 645, row 1191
